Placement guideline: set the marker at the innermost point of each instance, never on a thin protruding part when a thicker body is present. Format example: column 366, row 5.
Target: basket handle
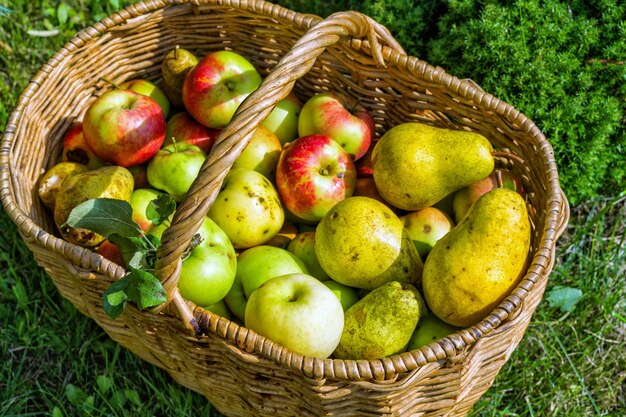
column 234, row 137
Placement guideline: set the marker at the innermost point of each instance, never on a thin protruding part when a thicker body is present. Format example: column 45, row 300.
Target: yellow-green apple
column 183, row 128
column 283, row 120
column 466, row 197
column 236, row 300
column 208, row 273
column 124, row 128
column 261, row 153
column 341, row 117
column 150, row 89
column 426, row 226
column 215, row 87
column 313, row 174
column 75, row 148
column 262, row 263
column 139, row 201
column 303, row 246
column 174, row 168
column 247, row 208
column 220, row 309
column 298, row 312
column 348, row 296
column 428, row 330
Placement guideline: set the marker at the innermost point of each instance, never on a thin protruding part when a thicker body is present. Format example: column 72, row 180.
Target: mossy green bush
column 559, row 62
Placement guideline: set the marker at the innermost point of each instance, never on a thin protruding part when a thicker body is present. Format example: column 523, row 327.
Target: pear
column 174, row 68
column 479, row 262
column 416, row 165
column 361, row 243
column 53, row 179
column 106, row 182
column 381, row 323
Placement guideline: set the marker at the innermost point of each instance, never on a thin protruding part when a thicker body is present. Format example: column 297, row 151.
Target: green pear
column 381, row 323
column 479, row 262
column 416, row 165
column 106, row 182
column 174, row 68
column 361, row 243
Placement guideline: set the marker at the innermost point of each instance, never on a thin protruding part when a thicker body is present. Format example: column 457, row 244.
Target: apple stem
column 356, row 104
column 175, row 144
column 106, row 80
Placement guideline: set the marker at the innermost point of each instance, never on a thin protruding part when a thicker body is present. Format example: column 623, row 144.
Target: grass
column 56, row 362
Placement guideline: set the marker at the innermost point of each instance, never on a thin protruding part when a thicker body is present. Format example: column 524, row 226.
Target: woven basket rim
column 556, row 211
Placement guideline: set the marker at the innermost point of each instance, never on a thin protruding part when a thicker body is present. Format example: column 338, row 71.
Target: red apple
column 216, row 86
column 366, row 187
column 183, row 128
column 426, row 227
column 111, row 252
column 140, row 175
column 364, row 165
column 313, row 174
column 124, row 128
column 342, row 118
column 75, row 148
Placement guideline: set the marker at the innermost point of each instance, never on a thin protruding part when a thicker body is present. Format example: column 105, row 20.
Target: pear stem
column 106, row 80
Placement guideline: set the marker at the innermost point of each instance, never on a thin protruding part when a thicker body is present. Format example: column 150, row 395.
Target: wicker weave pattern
column 240, row 372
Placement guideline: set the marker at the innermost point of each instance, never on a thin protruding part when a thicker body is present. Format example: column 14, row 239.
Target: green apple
column 150, row 89
column 426, row 227
column 220, row 309
column 261, row 153
column 247, row 208
column 303, row 246
column 298, row 312
column 283, row 120
column 208, row 273
column 429, row 329
column 174, row 168
column 347, row 295
column 262, row 263
column 236, row 299
column 139, row 201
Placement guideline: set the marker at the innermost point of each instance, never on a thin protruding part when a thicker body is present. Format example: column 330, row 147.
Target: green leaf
column 564, row 298
column 114, row 298
column 133, row 396
column 144, row 289
column 135, row 250
column 75, row 395
column 105, row 383
column 56, row 412
column 160, row 209
column 63, row 13
column 105, row 216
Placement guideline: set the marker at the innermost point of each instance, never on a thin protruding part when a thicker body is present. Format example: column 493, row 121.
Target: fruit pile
column 323, row 237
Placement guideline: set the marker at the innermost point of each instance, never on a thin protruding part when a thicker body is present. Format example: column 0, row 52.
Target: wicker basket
column 240, row 372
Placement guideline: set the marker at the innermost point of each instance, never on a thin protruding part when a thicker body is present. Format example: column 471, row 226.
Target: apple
column 429, row 329
column 426, row 226
column 124, row 128
column 313, row 174
column 366, row 187
column 236, row 300
column 139, row 201
column 261, row 153
column 298, row 312
column 364, row 165
column 466, row 197
column 174, row 168
column 341, row 117
column 283, row 120
column 303, row 246
column 285, row 235
column 140, row 175
column 208, row 273
column 262, row 263
column 111, row 252
column 75, row 148
column 220, row 309
column 347, row 296
column 247, row 208
column 216, row 86
column 148, row 88
column 182, row 128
